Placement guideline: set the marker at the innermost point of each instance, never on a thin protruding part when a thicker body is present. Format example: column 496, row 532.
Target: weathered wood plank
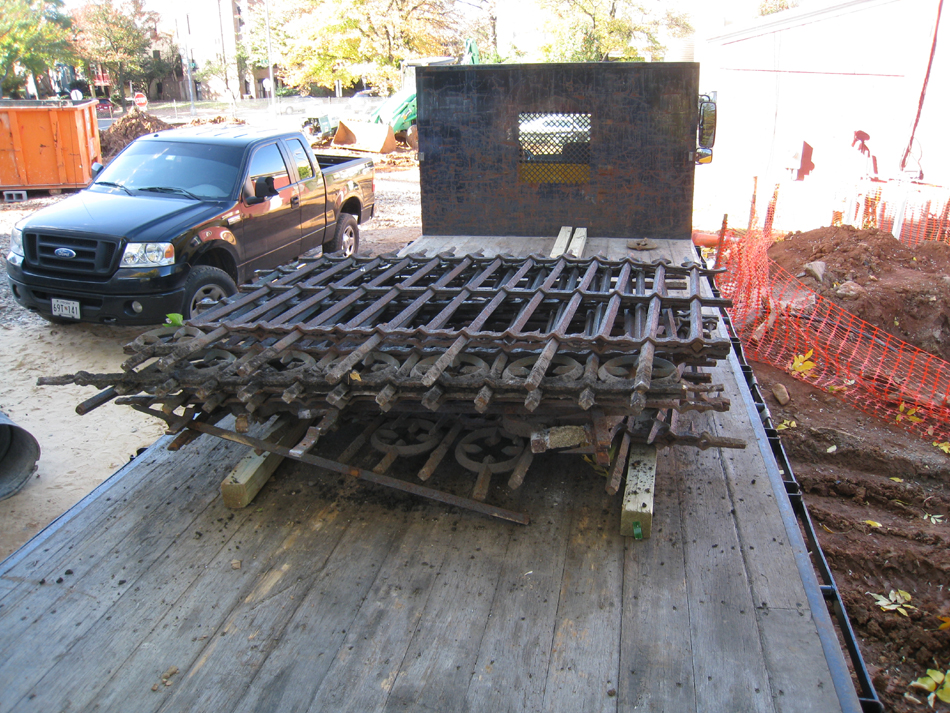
column 365, row 668
column 578, row 243
column 225, row 622
column 72, row 678
column 721, row 611
column 513, row 656
column 441, row 658
column 585, row 655
column 296, row 667
column 562, row 241
column 488, row 245
column 104, row 548
column 656, row 649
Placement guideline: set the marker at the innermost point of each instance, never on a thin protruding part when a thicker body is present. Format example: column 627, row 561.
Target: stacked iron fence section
column 544, row 353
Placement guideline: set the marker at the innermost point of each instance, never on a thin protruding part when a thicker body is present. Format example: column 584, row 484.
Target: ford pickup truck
column 181, row 217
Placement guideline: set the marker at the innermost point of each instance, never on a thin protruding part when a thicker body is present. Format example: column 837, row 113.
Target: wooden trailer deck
column 327, row 595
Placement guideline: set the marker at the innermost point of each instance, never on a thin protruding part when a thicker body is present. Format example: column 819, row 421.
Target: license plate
column 65, row 308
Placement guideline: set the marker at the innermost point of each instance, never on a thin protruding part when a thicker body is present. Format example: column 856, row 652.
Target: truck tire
column 204, row 286
column 347, row 238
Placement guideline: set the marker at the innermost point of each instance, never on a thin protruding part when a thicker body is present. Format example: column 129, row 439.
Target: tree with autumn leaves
column 116, row 35
column 34, row 35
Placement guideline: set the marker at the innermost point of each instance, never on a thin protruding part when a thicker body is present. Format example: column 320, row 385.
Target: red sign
column 141, row 101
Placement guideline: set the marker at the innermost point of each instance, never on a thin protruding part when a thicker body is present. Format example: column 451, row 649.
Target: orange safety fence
column 912, row 212
column 783, row 323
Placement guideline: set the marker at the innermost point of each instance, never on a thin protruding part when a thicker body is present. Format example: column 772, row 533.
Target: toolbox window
column 553, row 148
column 301, row 159
column 267, row 161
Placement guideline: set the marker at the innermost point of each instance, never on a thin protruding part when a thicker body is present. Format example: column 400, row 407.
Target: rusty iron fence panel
column 533, row 353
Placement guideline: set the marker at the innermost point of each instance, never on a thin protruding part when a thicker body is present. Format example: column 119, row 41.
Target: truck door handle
column 295, row 202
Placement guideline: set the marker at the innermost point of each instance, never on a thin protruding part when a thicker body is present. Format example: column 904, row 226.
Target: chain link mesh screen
column 554, row 148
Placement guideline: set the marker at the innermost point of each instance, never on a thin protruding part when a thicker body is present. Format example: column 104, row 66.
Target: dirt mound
column 903, row 291
column 124, row 131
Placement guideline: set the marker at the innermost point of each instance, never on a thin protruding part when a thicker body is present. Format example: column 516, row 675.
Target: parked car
column 105, row 106
column 179, row 218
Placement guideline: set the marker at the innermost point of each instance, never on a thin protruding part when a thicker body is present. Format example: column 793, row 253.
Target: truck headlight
column 148, row 255
column 16, row 241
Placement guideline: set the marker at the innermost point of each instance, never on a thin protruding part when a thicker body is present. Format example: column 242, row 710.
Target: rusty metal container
column 47, row 143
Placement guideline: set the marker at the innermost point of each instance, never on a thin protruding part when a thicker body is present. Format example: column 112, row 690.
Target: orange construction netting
column 920, row 211
column 783, row 323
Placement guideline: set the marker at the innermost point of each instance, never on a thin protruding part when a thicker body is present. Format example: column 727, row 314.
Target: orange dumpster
column 47, row 143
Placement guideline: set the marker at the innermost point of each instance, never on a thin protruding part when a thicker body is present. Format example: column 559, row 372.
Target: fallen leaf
column 936, row 675
column 898, row 480
column 946, row 623
column 355, row 376
column 802, row 363
column 924, row 683
column 872, row 523
column 945, row 446
column 832, row 449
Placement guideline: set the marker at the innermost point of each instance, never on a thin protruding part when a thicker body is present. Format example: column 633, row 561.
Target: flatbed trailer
column 327, row 594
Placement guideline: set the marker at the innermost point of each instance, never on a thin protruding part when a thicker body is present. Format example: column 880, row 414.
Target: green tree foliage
column 34, row 34
column 116, row 35
column 595, row 30
column 320, row 41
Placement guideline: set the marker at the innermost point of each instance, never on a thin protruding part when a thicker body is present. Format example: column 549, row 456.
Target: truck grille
column 86, row 256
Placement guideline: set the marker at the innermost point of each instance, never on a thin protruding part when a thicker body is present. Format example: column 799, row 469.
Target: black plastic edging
column 827, row 588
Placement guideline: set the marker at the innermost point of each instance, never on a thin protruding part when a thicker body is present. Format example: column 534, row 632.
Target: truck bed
column 328, row 595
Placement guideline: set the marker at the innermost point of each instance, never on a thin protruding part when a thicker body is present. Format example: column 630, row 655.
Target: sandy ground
column 79, row 452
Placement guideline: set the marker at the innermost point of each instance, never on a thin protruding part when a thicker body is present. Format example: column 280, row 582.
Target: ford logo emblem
column 65, row 252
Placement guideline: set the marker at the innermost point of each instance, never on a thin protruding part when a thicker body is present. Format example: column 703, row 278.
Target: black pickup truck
column 179, row 218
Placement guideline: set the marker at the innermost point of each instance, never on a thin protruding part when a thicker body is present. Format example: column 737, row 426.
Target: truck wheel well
column 220, row 259
column 352, row 206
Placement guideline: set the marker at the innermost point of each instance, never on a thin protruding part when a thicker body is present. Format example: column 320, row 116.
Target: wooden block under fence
column 636, row 517
column 248, row 477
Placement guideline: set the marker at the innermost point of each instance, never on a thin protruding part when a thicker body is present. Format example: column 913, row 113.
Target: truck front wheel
column 204, row 288
column 347, row 238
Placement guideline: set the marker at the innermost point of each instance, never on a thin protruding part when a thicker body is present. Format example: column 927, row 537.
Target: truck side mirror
column 707, row 123
column 95, row 169
column 703, row 156
column 263, row 189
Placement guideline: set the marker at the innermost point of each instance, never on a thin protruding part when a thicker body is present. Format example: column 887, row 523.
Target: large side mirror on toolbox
column 706, row 134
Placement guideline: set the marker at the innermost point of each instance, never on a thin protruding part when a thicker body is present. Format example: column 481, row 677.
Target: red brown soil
column 878, row 472
column 906, row 291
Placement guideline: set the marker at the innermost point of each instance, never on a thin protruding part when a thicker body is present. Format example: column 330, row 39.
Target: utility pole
column 270, row 61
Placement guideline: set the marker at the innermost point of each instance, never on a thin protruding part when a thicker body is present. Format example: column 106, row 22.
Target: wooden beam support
column 578, row 243
column 563, row 238
column 248, row 477
column 636, row 517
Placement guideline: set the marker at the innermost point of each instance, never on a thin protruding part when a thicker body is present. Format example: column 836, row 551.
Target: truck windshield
column 176, row 169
